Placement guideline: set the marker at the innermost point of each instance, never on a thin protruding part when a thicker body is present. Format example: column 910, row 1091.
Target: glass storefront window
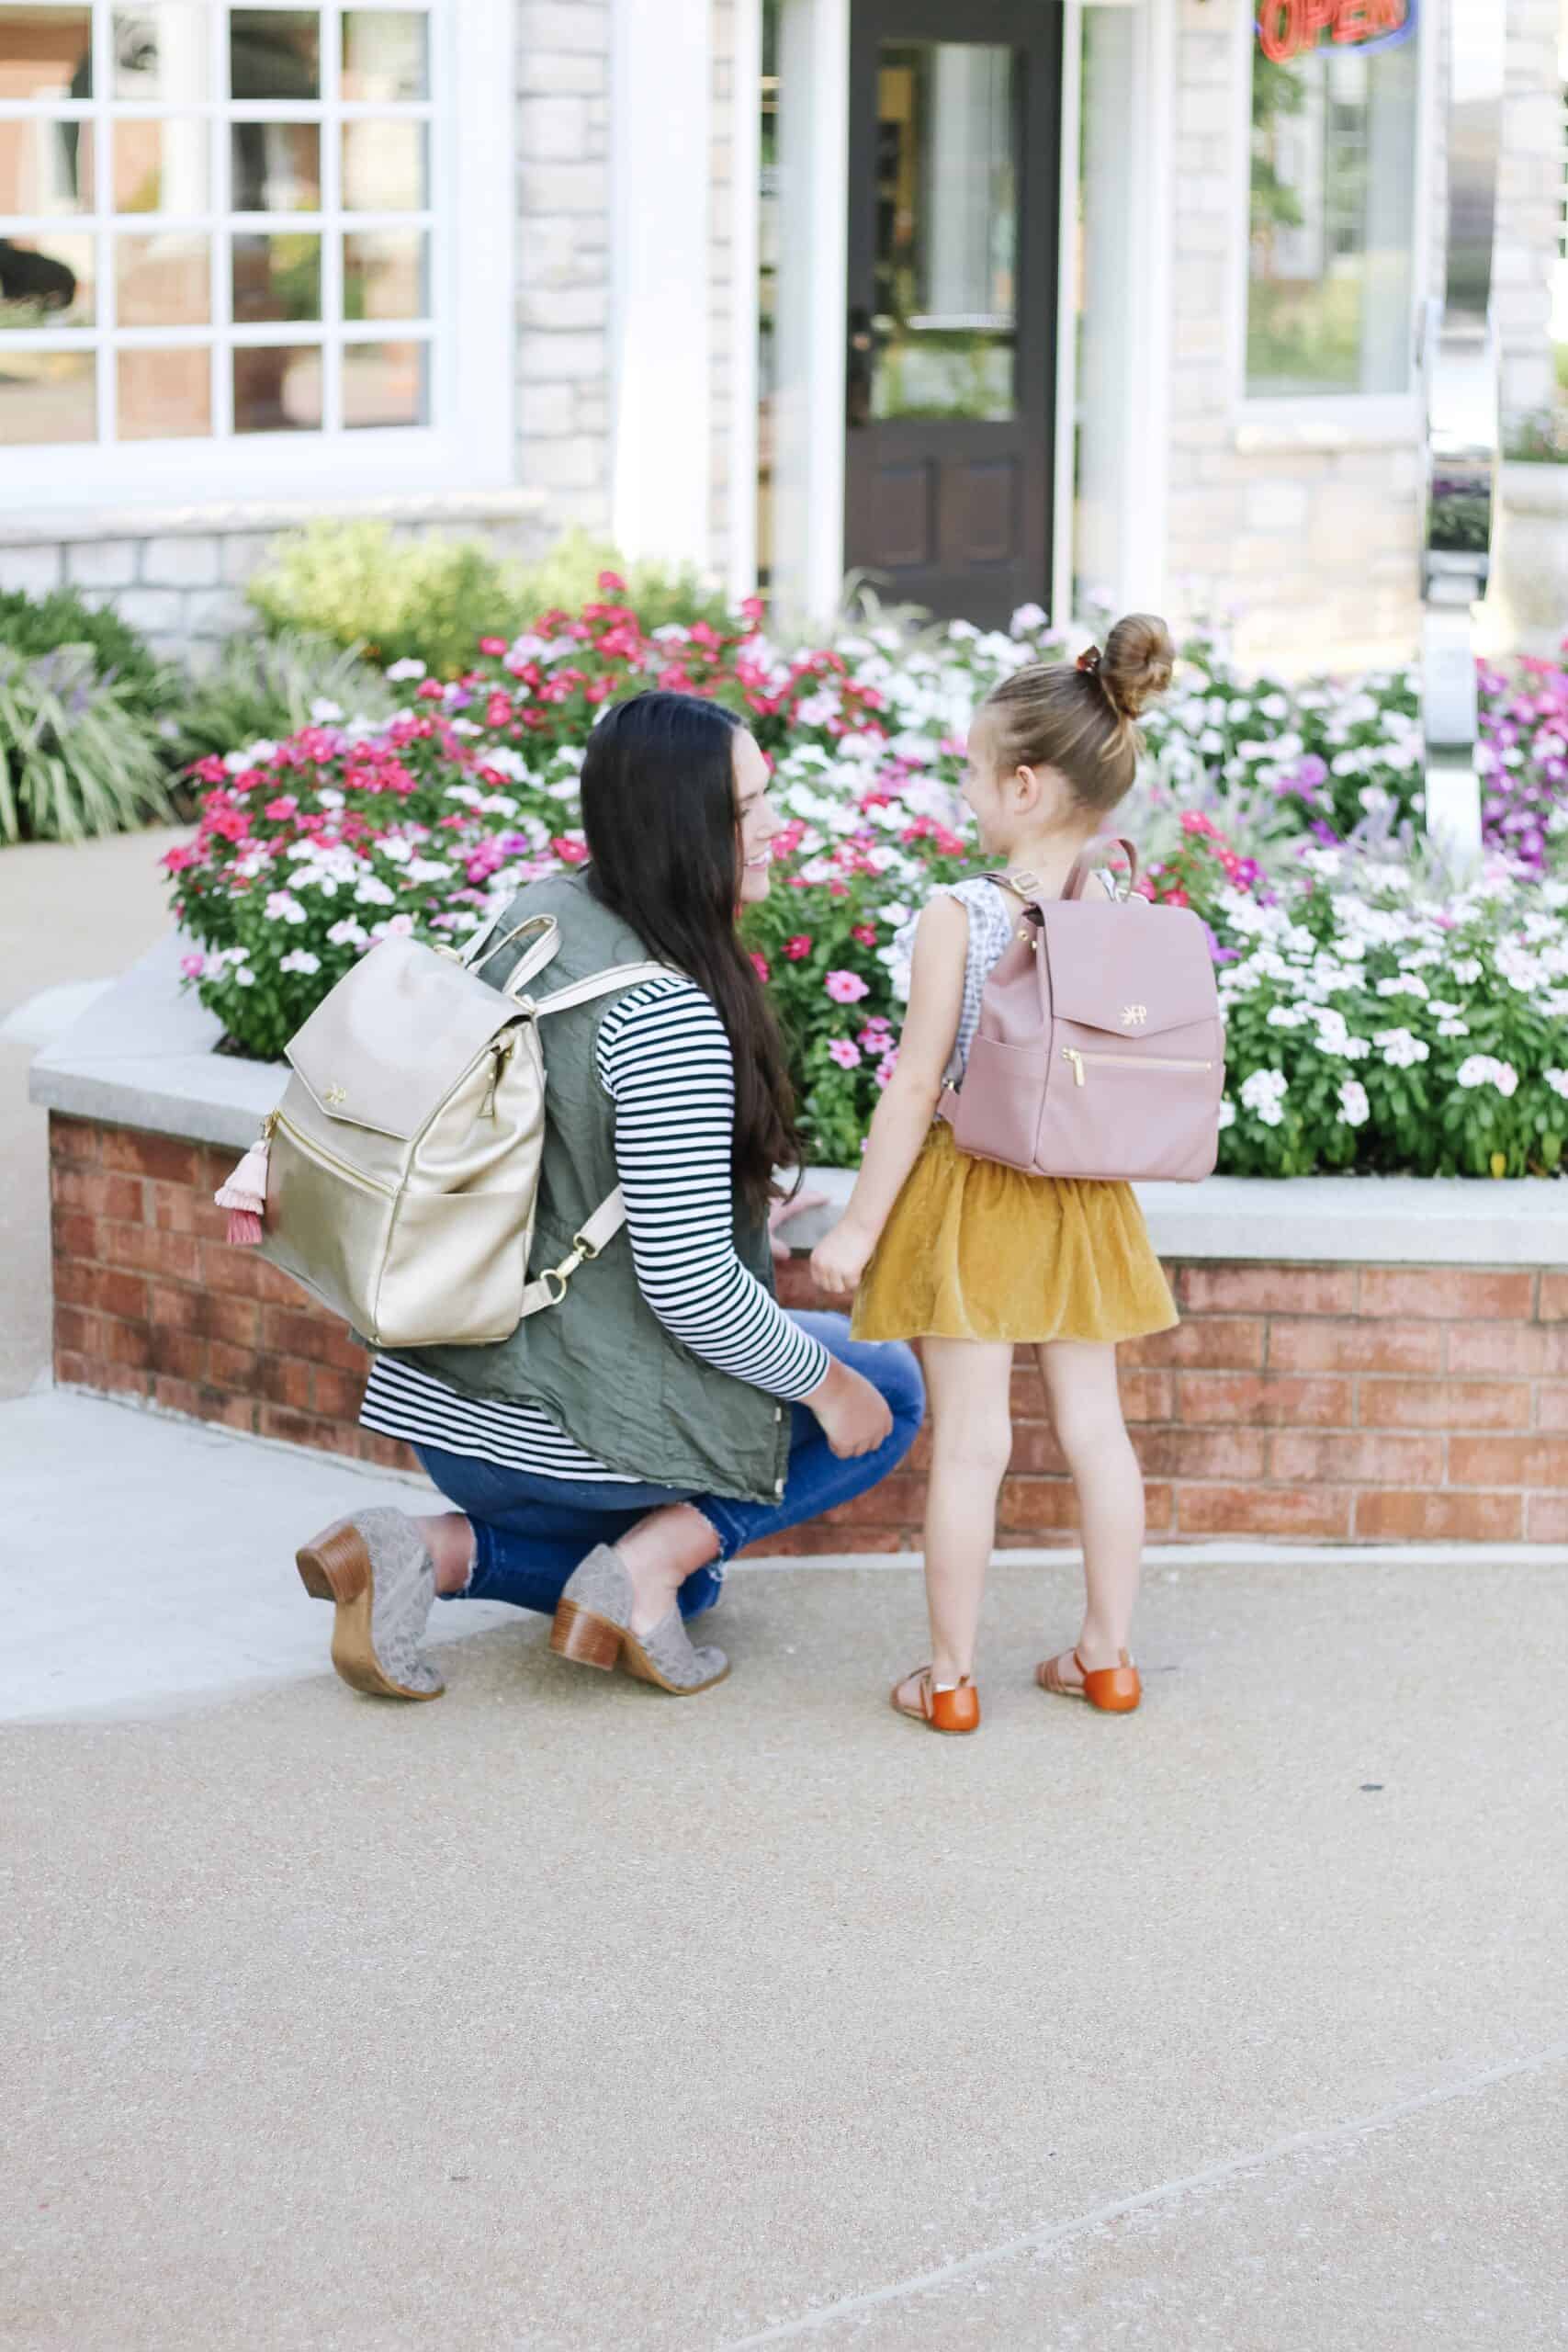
column 1333, row 201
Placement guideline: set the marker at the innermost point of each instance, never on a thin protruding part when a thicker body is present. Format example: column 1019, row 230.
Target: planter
column 1527, row 596
column 1359, row 1359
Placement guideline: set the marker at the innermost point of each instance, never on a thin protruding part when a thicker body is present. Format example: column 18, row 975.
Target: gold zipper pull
column 1071, row 1053
column 269, row 1127
column 499, row 1057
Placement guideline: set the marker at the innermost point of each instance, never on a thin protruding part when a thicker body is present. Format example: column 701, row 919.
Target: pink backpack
column 1101, row 1051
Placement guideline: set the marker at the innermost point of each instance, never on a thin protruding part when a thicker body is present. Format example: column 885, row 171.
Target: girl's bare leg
column 967, row 1381
column 1086, row 1405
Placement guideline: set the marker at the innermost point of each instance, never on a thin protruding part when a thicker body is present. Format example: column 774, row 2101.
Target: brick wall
column 1315, row 1402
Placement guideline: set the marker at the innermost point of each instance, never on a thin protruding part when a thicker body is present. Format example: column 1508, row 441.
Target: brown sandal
column 1114, row 1690
column 951, row 1711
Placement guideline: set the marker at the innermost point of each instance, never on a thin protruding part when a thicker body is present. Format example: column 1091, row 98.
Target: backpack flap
column 387, row 1047
column 1135, row 972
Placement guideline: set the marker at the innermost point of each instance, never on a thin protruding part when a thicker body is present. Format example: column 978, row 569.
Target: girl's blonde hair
column 1080, row 717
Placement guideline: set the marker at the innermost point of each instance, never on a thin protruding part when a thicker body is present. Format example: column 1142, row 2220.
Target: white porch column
column 661, row 83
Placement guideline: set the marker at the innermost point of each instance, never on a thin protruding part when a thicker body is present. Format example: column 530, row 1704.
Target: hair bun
column 1136, row 664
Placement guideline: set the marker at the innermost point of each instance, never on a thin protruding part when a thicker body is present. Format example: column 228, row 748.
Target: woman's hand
column 855, row 1417
column 841, row 1259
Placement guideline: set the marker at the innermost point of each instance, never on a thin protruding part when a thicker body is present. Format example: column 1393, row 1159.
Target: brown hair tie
column 1090, row 659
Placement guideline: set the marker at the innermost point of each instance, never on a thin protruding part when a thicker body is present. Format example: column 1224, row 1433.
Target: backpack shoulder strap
column 606, row 983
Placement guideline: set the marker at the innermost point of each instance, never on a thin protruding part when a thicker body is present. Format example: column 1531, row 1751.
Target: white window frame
column 468, row 443
column 1327, row 419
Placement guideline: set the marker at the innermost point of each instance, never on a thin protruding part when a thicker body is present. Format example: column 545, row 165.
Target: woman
column 606, row 1460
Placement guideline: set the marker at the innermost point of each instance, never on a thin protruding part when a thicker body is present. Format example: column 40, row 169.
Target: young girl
column 972, row 1257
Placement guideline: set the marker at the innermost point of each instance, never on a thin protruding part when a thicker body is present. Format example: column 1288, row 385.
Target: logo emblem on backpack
column 1135, row 1015
column 335, row 1095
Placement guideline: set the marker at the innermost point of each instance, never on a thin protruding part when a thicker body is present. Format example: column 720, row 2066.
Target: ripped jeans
column 531, row 1533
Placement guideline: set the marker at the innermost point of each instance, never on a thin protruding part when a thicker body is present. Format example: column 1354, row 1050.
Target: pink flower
column 798, row 948
column 493, row 646
column 865, row 932
column 761, row 966
column 846, row 988
column 431, row 690
column 845, row 1052
column 193, row 967
column 279, row 810
column 886, row 1066
column 611, row 583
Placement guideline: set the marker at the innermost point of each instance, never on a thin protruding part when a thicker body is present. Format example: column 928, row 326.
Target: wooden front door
column 955, row 127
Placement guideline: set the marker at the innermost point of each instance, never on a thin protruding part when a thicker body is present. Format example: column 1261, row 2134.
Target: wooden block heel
column 336, row 1566
column 584, row 1639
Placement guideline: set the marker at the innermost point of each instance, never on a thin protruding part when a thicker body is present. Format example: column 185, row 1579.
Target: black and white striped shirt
column 665, row 1060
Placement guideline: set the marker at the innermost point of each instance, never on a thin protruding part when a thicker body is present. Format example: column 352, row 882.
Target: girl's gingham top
column 665, row 1060
column 993, row 919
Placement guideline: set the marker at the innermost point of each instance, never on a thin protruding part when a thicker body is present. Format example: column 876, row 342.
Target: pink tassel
column 245, row 1197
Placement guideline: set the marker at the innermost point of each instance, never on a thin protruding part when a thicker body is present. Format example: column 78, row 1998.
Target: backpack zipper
column 313, row 1150
column 499, row 1054
column 1125, row 1061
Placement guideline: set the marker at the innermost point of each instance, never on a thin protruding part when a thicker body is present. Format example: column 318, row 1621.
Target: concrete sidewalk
column 562, row 2015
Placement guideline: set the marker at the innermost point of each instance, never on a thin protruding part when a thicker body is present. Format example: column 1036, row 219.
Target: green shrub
column 265, row 689
column 75, row 757
column 431, row 600
column 30, row 626
column 354, row 584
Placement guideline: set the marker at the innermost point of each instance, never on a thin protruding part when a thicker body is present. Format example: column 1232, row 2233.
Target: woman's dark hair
column 663, row 837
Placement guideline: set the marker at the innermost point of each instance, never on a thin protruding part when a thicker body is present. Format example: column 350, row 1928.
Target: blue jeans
column 530, row 1532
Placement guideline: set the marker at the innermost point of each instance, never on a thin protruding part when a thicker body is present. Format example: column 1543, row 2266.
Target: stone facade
column 1305, row 542
column 1311, row 1401
column 1529, row 208
column 564, row 259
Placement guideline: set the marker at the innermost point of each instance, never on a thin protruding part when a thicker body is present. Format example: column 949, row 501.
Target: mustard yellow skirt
column 973, row 1251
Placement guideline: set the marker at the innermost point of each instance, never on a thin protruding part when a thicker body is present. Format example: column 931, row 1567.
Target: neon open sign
column 1286, row 28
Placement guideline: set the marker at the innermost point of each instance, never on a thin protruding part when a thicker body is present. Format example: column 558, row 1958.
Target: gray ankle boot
column 383, row 1580
column 593, row 1627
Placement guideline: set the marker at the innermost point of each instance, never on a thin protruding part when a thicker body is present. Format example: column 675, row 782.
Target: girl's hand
column 784, row 1212
column 841, row 1259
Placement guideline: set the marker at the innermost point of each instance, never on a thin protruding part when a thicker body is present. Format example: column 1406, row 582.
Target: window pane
column 275, row 53
column 385, row 274
column 942, row 339
column 385, row 55
column 163, row 282
column 166, row 395
column 277, row 166
column 383, row 166
column 1333, row 200
column 47, row 282
column 48, row 396
column 276, row 278
column 46, row 52
column 162, row 50
column 386, row 383
column 277, row 390
column 47, row 167
column 160, row 166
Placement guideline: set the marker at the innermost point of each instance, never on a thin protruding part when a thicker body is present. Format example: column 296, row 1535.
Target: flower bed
column 1379, row 1018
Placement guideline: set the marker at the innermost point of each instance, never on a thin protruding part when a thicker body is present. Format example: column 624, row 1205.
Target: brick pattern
column 1319, row 1402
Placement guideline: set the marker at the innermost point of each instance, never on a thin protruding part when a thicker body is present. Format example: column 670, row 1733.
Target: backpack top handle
column 1091, row 856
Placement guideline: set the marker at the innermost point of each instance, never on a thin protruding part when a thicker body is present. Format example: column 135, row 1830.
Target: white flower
column 325, row 712
column 1485, row 1069
column 402, row 670
column 1354, row 1108
column 1405, row 985
column 1558, row 1081
column 1289, row 1016
column 349, row 933
column 1263, row 1093
column 1227, row 1112
column 373, row 892
column 1467, row 971
column 243, row 976
column 1027, row 618
column 300, row 959
column 1400, row 1049
column 1453, row 1028
column 282, row 906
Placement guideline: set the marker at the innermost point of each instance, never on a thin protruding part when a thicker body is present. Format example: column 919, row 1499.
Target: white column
column 661, row 346
column 746, row 132
column 808, row 406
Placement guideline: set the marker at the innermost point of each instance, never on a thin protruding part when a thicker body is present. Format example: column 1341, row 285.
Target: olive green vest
column 601, row 1364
